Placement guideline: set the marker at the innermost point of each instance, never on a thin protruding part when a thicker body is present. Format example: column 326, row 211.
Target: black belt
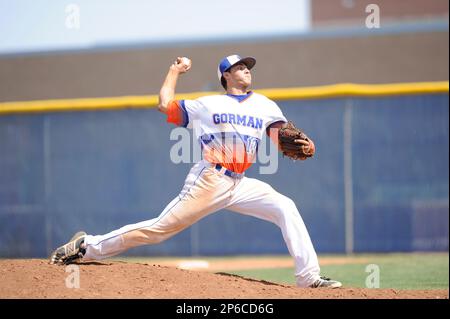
column 228, row 172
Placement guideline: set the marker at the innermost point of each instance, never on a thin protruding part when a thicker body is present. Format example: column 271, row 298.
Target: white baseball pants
column 207, row 190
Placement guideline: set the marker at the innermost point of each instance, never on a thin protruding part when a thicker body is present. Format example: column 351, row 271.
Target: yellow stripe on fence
column 350, row 89
column 327, row 91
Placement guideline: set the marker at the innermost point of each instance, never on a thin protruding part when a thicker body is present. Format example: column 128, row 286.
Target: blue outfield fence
column 378, row 183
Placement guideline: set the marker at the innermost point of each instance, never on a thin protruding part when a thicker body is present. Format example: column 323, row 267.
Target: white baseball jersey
column 228, row 128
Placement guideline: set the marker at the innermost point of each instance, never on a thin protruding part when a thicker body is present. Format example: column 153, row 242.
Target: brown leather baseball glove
column 294, row 143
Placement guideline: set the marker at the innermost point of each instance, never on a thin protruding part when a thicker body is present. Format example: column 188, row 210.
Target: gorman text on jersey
column 238, row 119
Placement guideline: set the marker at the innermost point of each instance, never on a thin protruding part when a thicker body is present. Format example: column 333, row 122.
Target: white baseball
column 186, row 61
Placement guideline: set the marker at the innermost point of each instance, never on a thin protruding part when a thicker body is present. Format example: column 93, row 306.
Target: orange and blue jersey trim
column 177, row 114
column 237, row 161
column 241, row 98
column 185, row 114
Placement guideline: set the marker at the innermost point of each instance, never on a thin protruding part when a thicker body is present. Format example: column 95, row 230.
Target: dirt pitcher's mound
column 34, row 278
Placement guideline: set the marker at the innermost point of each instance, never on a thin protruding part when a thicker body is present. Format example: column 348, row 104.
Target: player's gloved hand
column 308, row 147
column 181, row 65
column 294, row 143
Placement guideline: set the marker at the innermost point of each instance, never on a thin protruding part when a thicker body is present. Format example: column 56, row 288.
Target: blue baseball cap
column 231, row 60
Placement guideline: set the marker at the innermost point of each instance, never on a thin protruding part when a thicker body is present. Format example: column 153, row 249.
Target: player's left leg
column 258, row 199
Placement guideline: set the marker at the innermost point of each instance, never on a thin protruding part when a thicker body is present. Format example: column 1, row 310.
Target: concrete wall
column 382, row 58
column 326, row 13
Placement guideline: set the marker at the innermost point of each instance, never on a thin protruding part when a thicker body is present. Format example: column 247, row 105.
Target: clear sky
column 43, row 25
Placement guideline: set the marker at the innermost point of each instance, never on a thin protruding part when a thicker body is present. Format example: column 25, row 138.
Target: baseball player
column 229, row 128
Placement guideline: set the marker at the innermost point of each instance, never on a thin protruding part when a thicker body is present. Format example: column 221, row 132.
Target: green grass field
column 398, row 271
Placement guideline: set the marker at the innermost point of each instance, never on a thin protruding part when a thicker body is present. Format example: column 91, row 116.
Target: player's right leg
column 204, row 192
